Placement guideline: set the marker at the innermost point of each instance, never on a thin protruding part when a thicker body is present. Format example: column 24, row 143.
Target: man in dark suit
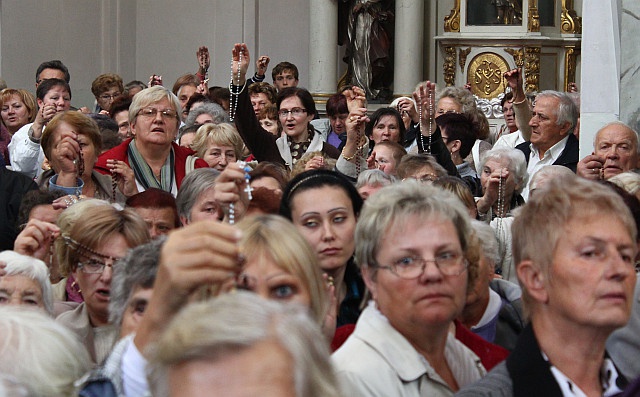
column 552, row 140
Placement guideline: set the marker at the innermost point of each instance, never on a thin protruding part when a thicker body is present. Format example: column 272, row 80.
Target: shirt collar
column 554, row 151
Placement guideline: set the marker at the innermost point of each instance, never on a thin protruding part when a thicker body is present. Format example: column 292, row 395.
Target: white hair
column 629, row 181
column 228, row 324
column 35, row 269
column 40, row 353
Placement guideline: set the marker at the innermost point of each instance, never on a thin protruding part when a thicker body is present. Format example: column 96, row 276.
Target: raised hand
column 240, row 63
column 204, row 60
column 425, row 97
column 125, row 178
column 261, row 65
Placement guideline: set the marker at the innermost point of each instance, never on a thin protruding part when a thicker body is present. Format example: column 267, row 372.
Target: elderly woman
column 196, row 200
column 296, row 109
column 422, row 167
column 218, row 144
column 26, row 282
column 417, row 252
column 39, row 353
column 504, row 175
column 370, row 181
column 575, row 249
column 53, row 96
column 105, row 89
column 206, row 113
column 156, row 160
column 234, row 330
column 87, row 249
column 72, row 142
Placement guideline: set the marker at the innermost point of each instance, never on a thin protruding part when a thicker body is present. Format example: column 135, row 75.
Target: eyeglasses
column 94, row 266
column 106, row 97
column 295, row 112
column 411, row 267
column 153, row 112
column 423, row 178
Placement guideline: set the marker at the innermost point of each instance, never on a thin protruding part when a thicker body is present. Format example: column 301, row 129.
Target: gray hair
column 40, row 353
column 137, row 269
column 216, row 112
column 222, row 327
column 35, row 269
column 517, row 164
column 196, row 182
column 410, row 163
column 397, row 203
column 460, row 95
column 621, row 124
column 629, row 181
column 488, row 241
column 152, row 95
column 548, row 173
column 567, row 112
column 374, row 177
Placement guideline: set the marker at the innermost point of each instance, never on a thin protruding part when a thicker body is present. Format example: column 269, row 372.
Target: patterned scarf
column 144, row 173
column 298, row 149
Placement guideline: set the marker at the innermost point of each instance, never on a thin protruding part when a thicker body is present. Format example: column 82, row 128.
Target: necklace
column 235, row 94
column 500, row 232
column 114, row 185
column 426, row 149
column 80, row 162
column 247, row 189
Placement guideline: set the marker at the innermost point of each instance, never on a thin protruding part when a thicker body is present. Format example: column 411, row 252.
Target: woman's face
column 156, row 129
column 591, row 279
column 327, row 224
column 386, row 129
column 492, row 166
column 14, row 113
column 270, row 125
column 384, row 160
column 448, row 105
column 20, row 290
column 96, row 287
column 57, row 96
column 432, row 299
column 205, row 208
column 89, row 154
column 219, row 156
column 294, row 126
column 105, row 99
column 264, row 277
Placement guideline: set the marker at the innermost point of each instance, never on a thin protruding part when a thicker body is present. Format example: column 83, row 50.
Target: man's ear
column 456, row 145
column 369, row 275
column 533, row 280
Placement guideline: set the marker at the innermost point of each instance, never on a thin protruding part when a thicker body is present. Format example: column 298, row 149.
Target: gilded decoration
column 485, row 75
column 518, row 56
column 534, row 18
column 462, row 57
column 452, row 21
column 532, row 69
column 570, row 22
column 570, row 58
column 449, row 66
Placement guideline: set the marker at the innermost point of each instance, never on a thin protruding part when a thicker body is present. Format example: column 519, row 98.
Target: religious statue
column 367, row 27
column 509, row 11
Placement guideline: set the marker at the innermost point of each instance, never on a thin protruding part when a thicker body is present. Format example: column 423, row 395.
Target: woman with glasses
column 106, row 88
column 218, row 144
column 418, row 254
column 296, row 109
column 157, row 161
column 87, row 248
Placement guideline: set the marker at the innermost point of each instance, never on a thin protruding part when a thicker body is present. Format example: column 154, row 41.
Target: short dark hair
column 32, row 199
column 458, row 127
column 197, row 97
column 55, row 64
column 337, row 104
column 48, row 84
column 281, row 67
column 105, row 123
column 120, row 104
column 303, row 94
column 385, row 111
column 314, row 179
column 155, row 198
column 507, row 97
column 263, row 88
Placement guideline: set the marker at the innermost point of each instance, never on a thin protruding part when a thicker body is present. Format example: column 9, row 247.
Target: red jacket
column 120, row 153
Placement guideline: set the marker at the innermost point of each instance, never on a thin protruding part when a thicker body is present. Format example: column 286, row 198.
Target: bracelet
column 358, row 150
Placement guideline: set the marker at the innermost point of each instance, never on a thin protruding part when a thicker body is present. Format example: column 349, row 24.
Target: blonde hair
column 299, row 166
column 277, row 238
column 91, row 227
column 223, row 134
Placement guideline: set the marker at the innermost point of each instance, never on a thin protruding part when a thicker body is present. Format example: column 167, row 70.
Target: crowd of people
column 229, row 239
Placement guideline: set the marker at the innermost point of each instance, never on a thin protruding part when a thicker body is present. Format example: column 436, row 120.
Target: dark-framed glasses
column 153, row 112
column 107, row 97
column 295, row 112
column 411, row 267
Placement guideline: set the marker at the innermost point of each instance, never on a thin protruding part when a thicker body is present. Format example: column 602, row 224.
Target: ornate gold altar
column 483, row 39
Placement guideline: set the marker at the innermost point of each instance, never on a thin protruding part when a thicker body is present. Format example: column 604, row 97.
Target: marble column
column 630, row 64
column 600, row 82
column 408, row 58
column 323, row 54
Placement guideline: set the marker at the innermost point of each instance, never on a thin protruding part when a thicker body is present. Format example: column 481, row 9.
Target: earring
column 75, row 287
